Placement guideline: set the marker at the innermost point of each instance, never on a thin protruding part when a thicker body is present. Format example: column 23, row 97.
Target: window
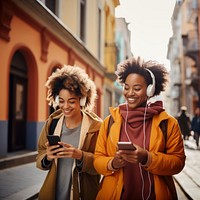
column 82, row 19
column 99, row 33
column 51, row 5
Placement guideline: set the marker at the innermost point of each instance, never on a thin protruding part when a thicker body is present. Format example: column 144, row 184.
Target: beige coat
column 89, row 178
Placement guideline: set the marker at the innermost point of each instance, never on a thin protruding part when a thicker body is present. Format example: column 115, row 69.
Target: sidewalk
column 24, row 182
column 189, row 178
column 21, row 183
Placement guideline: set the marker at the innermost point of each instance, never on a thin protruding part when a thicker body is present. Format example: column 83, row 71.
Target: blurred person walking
column 184, row 122
column 195, row 126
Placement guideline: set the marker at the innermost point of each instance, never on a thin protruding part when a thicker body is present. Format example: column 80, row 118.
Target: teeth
column 131, row 99
column 67, row 111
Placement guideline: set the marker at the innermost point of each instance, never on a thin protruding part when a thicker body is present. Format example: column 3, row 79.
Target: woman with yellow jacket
column 145, row 172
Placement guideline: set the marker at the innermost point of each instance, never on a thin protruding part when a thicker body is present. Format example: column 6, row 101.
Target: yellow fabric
column 160, row 164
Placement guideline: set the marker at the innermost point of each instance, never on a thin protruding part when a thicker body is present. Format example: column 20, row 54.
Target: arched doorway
column 17, row 103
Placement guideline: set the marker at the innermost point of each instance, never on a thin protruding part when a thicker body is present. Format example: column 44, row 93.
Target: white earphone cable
column 144, row 127
column 126, row 123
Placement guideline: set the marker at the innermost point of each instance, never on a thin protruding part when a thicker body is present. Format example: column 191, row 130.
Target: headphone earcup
column 83, row 101
column 57, row 100
column 150, row 90
column 151, row 87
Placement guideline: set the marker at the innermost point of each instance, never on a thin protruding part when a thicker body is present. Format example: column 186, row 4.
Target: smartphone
column 53, row 139
column 126, row 146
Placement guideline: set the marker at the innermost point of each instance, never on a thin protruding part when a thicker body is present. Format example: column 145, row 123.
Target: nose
column 130, row 92
column 65, row 105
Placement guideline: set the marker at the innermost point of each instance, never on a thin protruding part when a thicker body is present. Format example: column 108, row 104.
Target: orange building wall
column 43, row 50
column 18, row 39
column 30, row 39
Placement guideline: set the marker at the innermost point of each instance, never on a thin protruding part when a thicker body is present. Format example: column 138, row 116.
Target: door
column 17, row 113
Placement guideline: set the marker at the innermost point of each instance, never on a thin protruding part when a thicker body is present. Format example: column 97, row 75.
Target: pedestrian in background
column 146, row 172
column 71, row 172
column 195, row 126
column 184, row 122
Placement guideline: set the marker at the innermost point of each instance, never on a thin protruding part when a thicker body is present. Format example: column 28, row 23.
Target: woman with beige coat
column 71, row 172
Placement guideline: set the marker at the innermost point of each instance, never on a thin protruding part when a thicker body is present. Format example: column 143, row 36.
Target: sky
column 150, row 26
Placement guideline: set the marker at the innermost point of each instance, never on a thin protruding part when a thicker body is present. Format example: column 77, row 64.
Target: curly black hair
column 76, row 81
column 137, row 65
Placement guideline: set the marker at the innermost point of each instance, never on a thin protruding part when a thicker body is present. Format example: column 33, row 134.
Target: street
column 181, row 195
column 189, row 178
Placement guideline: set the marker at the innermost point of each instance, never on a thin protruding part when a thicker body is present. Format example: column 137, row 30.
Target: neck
column 73, row 122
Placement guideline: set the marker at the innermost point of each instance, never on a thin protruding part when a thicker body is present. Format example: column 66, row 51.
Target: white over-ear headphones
column 83, row 101
column 151, row 87
column 57, row 100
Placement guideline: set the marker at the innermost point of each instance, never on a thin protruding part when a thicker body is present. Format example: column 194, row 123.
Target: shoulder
column 53, row 119
column 55, row 115
column 115, row 113
column 92, row 116
column 162, row 116
column 93, row 120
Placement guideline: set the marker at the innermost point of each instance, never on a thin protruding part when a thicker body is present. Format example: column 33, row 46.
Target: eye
column 126, row 87
column 72, row 102
column 61, row 101
column 137, row 89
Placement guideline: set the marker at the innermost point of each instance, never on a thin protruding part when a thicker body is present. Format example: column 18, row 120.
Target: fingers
column 137, row 156
column 65, row 144
column 70, row 152
column 118, row 162
column 66, row 151
column 52, row 151
column 128, row 155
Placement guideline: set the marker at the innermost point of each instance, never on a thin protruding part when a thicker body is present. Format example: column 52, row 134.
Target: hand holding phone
column 53, row 140
column 126, row 146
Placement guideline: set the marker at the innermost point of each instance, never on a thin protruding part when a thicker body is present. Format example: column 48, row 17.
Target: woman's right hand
column 118, row 162
column 52, row 151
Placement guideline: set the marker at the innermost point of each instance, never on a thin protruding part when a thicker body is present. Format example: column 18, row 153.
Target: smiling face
column 135, row 90
column 69, row 104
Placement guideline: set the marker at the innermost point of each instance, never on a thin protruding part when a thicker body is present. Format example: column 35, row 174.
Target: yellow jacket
column 160, row 164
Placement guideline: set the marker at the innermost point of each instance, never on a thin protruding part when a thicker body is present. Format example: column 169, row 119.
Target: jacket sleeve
column 41, row 148
column 87, row 165
column 173, row 161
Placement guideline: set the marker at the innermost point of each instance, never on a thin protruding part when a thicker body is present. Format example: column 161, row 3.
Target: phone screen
column 53, row 139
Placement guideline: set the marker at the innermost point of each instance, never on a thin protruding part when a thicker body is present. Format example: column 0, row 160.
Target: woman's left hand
column 139, row 155
column 69, row 151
